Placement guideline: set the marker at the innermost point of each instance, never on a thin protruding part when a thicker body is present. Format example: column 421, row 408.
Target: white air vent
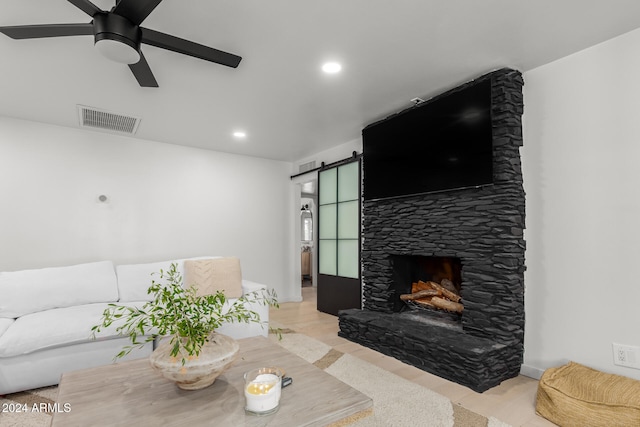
column 107, row 121
column 306, row 167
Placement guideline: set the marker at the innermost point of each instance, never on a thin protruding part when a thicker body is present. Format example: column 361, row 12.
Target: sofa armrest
column 246, row 330
column 249, row 286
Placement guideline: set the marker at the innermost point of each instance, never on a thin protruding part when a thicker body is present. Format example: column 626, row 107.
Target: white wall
column 331, row 155
column 581, row 164
column 164, row 202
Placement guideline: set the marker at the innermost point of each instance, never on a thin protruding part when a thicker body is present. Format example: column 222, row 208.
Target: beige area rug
column 396, row 402
column 390, row 393
column 28, row 408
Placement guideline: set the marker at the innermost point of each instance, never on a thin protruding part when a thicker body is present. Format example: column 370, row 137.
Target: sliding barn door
column 339, row 238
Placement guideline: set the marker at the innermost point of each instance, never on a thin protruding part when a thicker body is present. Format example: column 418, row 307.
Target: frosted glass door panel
column 328, row 184
column 327, row 259
column 349, row 220
column 339, row 286
column 349, row 182
column 349, row 259
column 328, row 221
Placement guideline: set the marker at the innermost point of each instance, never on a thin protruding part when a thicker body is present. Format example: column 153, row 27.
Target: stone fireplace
column 475, row 236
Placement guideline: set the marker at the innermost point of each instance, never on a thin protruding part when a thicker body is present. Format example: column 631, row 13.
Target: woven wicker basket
column 574, row 395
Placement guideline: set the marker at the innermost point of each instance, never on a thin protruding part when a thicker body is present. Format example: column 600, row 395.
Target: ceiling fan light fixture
column 117, row 51
column 116, row 38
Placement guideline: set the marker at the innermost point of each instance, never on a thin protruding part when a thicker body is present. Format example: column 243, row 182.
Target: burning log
column 435, row 295
column 448, row 284
column 420, row 294
column 445, row 304
column 418, row 286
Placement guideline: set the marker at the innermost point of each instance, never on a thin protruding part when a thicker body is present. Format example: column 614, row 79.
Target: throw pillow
column 212, row 275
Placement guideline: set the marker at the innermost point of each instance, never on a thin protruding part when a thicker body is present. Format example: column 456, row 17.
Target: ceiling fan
column 118, row 35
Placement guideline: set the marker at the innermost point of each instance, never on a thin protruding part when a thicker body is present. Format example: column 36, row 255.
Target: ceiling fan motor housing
column 111, row 26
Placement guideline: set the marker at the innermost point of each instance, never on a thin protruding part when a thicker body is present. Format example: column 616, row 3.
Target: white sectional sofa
column 46, row 317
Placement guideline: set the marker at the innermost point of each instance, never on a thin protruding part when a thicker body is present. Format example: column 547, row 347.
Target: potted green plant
column 191, row 352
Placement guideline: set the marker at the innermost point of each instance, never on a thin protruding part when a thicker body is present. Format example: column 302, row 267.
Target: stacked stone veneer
column 484, row 228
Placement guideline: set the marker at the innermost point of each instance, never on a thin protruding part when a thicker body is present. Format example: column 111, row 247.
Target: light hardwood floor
column 513, row 401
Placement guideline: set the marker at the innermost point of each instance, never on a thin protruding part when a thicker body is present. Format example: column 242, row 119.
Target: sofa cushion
column 576, row 395
column 212, row 275
column 4, row 324
column 31, row 291
column 135, row 279
column 54, row 328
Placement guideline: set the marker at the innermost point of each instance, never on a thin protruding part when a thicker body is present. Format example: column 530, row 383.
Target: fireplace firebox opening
column 427, row 283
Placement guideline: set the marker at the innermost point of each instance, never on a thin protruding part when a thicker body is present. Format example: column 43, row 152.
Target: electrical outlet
column 626, row 355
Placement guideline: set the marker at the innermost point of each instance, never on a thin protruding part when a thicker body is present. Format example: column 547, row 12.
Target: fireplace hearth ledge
column 439, row 349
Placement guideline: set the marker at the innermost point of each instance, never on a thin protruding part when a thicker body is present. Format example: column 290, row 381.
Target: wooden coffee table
column 130, row 393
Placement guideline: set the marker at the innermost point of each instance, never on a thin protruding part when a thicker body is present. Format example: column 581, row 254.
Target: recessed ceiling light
column 331, row 67
column 239, row 134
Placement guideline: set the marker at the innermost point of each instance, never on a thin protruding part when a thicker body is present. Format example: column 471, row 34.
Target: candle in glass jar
column 263, row 393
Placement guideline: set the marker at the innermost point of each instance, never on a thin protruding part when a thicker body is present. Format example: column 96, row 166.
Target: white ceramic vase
column 198, row 371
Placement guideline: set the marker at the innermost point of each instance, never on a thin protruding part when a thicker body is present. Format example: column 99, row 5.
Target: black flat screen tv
column 442, row 144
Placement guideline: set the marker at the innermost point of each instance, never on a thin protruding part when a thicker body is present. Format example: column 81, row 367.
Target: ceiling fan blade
column 142, row 73
column 135, row 10
column 86, row 6
column 186, row 47
column 47, row 30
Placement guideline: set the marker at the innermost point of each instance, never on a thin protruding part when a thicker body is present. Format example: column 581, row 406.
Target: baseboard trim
column 531, row 372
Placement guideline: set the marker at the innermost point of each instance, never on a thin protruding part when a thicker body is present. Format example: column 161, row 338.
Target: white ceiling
column 391, row 51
